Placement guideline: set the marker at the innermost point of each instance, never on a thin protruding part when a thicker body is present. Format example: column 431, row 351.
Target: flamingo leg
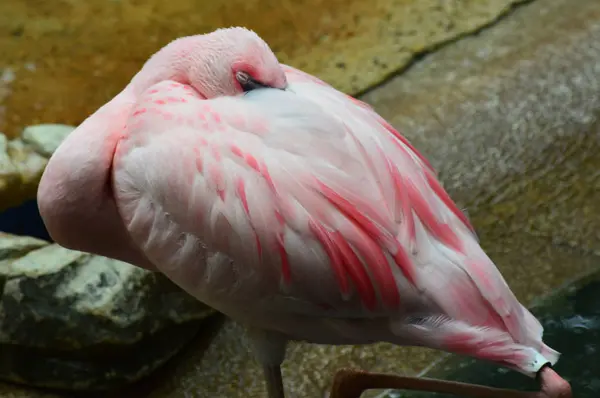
column 269, row 349
column 350, row 383
column 274, row 381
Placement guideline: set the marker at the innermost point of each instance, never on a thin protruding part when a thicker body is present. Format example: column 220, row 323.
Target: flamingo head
column 226, row 62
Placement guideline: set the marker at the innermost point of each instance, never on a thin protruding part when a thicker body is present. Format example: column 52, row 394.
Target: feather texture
column 294, row 209
column 306, row 204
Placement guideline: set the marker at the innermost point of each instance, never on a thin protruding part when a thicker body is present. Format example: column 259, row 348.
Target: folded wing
column 320, row 200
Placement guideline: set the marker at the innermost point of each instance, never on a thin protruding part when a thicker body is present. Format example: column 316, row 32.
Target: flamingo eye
column 247, row 82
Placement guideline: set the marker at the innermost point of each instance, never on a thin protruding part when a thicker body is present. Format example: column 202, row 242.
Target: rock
column 352, row 44
column 22, row 161
column 20, row 171
column 12, row 247
column 510, row 119
column 30, row 166
column 14, row 391
column 45, row 138
column 86, row 322
column 9, row 176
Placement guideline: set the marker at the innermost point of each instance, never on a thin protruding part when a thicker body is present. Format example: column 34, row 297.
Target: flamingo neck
column 171, row 62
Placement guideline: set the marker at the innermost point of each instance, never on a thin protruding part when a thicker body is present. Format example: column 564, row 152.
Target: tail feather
column 550, row 354
column 492, row 286
column 484, row 343
column 484, row 317
column 489, row 283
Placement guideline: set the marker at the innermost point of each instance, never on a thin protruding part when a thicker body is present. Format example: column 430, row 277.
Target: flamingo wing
column 310, row 190
column 420, row 199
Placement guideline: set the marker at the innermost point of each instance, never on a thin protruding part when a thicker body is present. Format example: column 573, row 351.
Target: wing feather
column 318, row 191
column 420, row 199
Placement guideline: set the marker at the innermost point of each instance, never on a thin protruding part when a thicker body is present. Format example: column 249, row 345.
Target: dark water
column 572, row 326
column 24, row 220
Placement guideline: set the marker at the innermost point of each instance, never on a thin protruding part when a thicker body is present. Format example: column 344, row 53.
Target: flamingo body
column 294, row 209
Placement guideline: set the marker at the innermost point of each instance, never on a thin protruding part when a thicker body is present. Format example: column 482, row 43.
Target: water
column 24, row 220
column 572, row 326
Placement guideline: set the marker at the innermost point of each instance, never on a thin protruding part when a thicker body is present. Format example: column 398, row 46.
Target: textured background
column 510, row 119
column 68, row 57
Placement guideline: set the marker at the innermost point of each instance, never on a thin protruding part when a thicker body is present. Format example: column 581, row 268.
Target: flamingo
column 290, row 207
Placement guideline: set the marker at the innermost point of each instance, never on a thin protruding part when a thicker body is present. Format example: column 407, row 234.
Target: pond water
column 24, row 220
column 572, row 326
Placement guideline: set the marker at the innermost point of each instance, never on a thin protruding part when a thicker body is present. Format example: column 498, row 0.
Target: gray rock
column 45, row 138
column 8, row 172
column 76, row 321
column 21, row 168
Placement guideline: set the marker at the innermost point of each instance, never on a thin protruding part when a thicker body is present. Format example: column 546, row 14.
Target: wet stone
column 74, row 321
column 9, row 176
column 47, row 75
column 45, row 138
column 23, row 159
column 21, row 168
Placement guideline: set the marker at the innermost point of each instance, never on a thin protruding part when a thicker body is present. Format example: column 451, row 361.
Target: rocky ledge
column 71, row 320
column 22, row 161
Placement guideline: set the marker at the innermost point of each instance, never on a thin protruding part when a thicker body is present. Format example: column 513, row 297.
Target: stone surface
column 63, row 59
column 45, row 138
column 9, row 177
column 21, row 168
column 23, row 159
column 509, row 119
column 77, row 321
column 14, row 391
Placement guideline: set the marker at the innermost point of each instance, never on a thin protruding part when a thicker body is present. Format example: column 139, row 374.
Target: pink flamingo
column 292, row 208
